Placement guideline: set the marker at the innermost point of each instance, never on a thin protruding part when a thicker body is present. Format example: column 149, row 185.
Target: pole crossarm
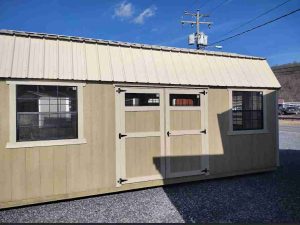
column 197, row 23
column 206, row 22
column 189, row 22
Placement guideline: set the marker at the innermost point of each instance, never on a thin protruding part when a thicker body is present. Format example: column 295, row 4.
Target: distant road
column 289, row 137
column 289, row 129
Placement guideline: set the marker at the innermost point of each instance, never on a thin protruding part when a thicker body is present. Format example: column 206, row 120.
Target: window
column 184, row 99
column 247, row 110
column 141, row 99
column 46, row 112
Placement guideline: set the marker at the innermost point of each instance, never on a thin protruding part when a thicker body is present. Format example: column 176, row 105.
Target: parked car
column 291, row 110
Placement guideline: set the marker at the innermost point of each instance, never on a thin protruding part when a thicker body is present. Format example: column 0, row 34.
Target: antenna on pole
column 199, row 37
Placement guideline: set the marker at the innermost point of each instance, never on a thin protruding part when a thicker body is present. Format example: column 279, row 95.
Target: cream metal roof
column 45, row 56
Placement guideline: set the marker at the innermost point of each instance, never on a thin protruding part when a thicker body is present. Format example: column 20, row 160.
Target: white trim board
column 12, row 117
column 50, row 83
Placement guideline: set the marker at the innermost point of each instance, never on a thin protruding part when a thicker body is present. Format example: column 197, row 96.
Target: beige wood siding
column 40, row 172
column 185, row 120
column 139, row 156
column 6, row 157
column 142, row 121
column 230, row 153
column 186, row 153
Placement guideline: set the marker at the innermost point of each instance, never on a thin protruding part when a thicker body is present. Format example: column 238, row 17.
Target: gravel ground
column 265, row 198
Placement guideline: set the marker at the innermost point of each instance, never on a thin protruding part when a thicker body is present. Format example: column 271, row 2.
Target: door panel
column 141, row 146
column 185, row 139
column 185, row 120
column 185, row 153
column 142, row 121
column 139, row 156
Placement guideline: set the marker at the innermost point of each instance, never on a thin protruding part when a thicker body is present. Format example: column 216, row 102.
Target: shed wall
column 43, row 172
column 232, row 153
column 38, row 174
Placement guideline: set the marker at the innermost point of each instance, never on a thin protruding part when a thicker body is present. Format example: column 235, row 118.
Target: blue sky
column 157, row 22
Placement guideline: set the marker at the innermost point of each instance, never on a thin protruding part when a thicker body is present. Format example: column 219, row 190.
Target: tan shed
column 83, row 117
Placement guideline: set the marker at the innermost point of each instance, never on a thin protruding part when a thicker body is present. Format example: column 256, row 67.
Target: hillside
column 288, row 76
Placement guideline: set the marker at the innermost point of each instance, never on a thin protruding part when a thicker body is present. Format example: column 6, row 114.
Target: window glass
column 247, row 110
column 184, row 99
column 141, row 99
column 46, row 112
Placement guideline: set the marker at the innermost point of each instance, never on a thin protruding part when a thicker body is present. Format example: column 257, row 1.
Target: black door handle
column 122, row 135
column 168, row 133
column 205, row 170
column 121, row 180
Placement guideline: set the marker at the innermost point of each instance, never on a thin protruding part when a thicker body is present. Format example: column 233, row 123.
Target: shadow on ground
column 264, row 198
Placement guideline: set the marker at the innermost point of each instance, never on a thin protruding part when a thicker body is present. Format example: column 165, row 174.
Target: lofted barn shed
column 82, row 117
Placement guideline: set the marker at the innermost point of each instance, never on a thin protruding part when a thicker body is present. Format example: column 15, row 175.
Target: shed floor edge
column 124, row 188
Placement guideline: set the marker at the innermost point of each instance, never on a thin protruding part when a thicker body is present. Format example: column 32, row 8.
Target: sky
column 157, row 22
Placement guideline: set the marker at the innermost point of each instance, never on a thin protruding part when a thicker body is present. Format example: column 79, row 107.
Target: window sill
column 241, row 132
column 31, row 144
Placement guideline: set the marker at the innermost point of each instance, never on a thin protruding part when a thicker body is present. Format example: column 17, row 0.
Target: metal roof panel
column 35, row 55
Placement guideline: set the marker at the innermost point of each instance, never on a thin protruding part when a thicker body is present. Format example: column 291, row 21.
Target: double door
column 160, row 133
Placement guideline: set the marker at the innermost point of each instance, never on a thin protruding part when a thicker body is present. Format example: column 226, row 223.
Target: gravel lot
column 265, row 198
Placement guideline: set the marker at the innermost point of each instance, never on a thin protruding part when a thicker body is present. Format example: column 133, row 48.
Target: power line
column 218, row 6
column 255, row 18
column 202, row 4
column 251, row 29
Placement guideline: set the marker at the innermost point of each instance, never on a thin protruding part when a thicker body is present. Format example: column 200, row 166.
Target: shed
column 81, row 117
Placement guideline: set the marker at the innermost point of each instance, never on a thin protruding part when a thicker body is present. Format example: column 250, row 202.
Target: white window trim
column 12, row 116
column 240, row 132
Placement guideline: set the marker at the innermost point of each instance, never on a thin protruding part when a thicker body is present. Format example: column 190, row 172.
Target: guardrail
column 288, row 117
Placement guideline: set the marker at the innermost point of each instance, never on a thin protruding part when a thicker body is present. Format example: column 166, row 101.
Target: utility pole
column 199, row 37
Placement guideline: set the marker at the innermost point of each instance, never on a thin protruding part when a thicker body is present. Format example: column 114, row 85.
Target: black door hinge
column 205, row 170
column 203, row 131
column 120, row 181
column 119, row 90
column 122, row 135
column 203, row 92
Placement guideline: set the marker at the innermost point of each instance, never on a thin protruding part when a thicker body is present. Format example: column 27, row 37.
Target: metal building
column 82, row 116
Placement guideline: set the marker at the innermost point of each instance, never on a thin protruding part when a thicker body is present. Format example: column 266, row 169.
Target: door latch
column 119, row 90
column 120, row 181
column 122, row 135
column 203, row 92
column 168, row 133
column 205, row 170
column 203, row 131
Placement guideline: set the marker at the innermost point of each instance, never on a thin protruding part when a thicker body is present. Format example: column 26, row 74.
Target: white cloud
column 149, row 12
column 124, row 10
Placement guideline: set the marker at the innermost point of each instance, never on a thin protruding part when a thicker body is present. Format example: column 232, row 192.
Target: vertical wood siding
column 230, row 153
column 57, row 172
column 29, row 173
